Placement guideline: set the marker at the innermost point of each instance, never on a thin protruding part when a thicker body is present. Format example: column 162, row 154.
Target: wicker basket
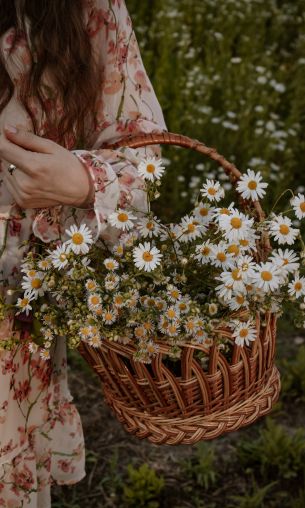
column 195, row 404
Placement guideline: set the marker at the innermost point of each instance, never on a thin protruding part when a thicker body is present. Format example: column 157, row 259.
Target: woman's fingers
column 25, row 160
column 29, row 140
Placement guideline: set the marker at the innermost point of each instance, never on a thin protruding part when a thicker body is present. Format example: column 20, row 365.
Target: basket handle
column 170, row 138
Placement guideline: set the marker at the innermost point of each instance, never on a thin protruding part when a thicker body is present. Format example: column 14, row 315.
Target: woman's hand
column 47, row 174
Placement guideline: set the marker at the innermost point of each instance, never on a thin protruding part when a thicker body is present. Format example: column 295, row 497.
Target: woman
column 71, row 79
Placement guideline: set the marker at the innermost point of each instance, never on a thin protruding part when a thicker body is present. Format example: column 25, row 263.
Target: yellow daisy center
column 95, row 300
column 172, row 328
column 91, row 285
column 298, row 286
column 221, row 256
column 244, row 332
column 240, row 299
column 62, row 257
column 175, row 294
column 150, row 225
column 147, row 256
column 302, row 206
column 252, row 185
column 233, row 249
column 108, row 316
column 24, row 302
column 224, row 211
column 236, row 275
column 36, row 283
column 171, row 313
column 212, row 191
column 266, row 276
column 150, row 168
column 150, row 348
column 203, row 211
column 244, row 243
column 285, row 261
column 191, row 228
column 32, row 273
column 205, row 251
column 236, row 223
column 182, row 306
column 284, row 229
column 77, row 238
column 118, row 300
column 110, row 265
column 122, row 217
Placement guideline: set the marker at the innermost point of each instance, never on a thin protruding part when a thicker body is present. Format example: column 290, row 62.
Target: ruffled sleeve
column 127, row 105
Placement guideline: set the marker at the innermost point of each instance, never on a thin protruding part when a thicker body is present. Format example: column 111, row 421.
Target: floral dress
column 41, row 437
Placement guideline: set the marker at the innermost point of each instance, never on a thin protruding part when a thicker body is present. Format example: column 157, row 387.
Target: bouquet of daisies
column 178, row 283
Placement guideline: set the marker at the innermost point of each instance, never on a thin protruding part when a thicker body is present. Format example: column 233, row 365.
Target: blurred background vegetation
column 230, row 73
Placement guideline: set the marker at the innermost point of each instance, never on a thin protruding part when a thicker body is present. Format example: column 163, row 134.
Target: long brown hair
column 61, row 42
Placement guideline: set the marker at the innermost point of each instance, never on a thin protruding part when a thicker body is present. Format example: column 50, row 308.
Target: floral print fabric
column 41, row 437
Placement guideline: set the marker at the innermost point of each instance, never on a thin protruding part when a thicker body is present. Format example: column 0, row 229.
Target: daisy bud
column 10, row 292
column 157, row 195
column 184, row 261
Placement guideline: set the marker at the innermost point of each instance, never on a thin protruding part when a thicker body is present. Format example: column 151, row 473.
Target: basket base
column 160, row 430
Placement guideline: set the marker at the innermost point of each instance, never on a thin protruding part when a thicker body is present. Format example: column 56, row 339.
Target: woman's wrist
column 90, row 198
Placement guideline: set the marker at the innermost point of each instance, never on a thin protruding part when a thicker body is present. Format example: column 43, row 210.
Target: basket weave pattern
column 198, row 403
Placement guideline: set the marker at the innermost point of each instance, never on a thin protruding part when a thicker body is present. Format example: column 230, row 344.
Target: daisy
column 146, row 257
column 59, row 256
column 267, row 276
column 94, row 300
column 95, row 341
column 247, row 265
column 172, row 313
column 250, row 185
column 219, row 212
column 237, row 301
column 281, row 230
column 80, row 239
column 109, row 316
column 118, row 250
column 47, row 333
column 190, row 229
column 24, row 304
column 286, row 259
column 235, row 226
column 220, row 256
column 173, row 329
column 140, row 332
column 190, row 326
column 45, row 264
column 32, row 347
column 212, row 190
column 122, row 219
column 111, row 281
column 160, row 304
column 151, row 168
column 200, row 336
column 244, row 333
column 203, row 213
column 44, row 354
column 33, row 286
column 111, row 264
column 249, row 243
column 118, row 301
column 85, row 332
column 149, row 227
column 297, row 287
column 152, row 348
column 298, row 203
column 234, row 279
column 183, row 305
column 173, row 231
column 204, row 252
column 224, row 291
column 91, row 285
column 174, row 294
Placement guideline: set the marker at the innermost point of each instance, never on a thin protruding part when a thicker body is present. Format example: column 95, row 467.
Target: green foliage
column 276, row 452
column 230, row 73
column 143, row 487
column 293, row 376
column 253, row 498
column 201, row 466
